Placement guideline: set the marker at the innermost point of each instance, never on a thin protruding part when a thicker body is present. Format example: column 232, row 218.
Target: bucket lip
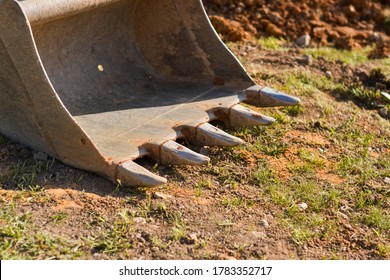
column 40, row 12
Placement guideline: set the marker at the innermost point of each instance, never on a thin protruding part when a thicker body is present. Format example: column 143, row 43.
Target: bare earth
column 283, row 195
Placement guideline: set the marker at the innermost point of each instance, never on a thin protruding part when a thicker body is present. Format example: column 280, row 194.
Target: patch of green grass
column 114, row 237
column 278, row 195
column 269, row 141
column 19, row 240
column 349, row 134
column 201, row 244
column 96, row 220
column 314, row 194
column 293, row 110
column 176, row 218
column 332, row 54
column 376, row 218
column 178, row 233
column 356, row 162
column 228, row 174
column 311, row 158
column 383, row 165
column 145, row 208
column 162, row 208
column 367, row 96
column 157, row 242
column 24, row 174
column 12, row 226
column 301, row 168
column 46, row 246
column 362, row 168
column 298, row 190
column 306, row 83
column 263, row 175
column 383, row 250
column 34, row 194
column 59, row 217
column 304, row 226
column 384, row 66
column 201, row 186
column 271, row 43
column 366, row 198
column 232, row 202
column 179, row 228
column 313, row 221
column 275, row 149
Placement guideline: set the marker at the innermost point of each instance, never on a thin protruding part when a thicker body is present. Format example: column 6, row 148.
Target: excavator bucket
column 97, row 84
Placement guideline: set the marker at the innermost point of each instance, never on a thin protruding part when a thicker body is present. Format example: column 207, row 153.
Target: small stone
column 264, row 223
column 344, row 208
column 383, row 112
column 328, row 74
column 193, row 237
column 141, row 240
column 139, row 220
column 302, row 206
column 322, row 151
column 303, row 41
column 41, row 156
column 387, row 180
column 351, row 9
column 158, row 195
column 269, row 217
column 307, row 59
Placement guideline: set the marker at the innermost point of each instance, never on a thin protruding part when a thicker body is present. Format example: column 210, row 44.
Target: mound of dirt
column 345, row 23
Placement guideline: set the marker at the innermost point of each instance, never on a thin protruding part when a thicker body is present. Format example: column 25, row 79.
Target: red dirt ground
column 345, row 23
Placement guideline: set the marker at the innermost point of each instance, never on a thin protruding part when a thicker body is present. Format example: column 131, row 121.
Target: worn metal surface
column 100, row 83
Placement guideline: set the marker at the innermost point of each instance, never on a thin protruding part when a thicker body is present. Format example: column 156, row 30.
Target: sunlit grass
column 346, row 56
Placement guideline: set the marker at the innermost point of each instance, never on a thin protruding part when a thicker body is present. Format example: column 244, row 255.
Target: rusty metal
column 97, row 84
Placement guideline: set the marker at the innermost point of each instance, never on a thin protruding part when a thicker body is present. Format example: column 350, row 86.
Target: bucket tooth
column 209, row 135
column 268, row 97
column 172, row 153
column 238, row 115
column 132, row 174
column 242, row 116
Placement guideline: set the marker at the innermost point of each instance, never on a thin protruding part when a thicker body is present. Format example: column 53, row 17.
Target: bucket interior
column 122, row 67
